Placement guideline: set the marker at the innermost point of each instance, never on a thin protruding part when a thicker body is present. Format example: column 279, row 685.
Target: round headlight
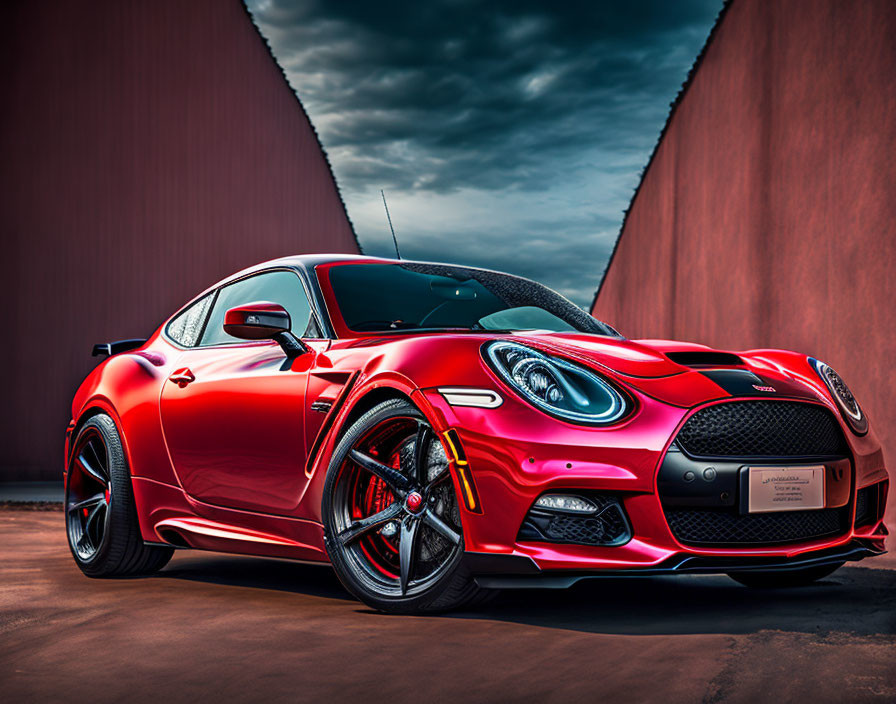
column 555, row 385
column 846, row 402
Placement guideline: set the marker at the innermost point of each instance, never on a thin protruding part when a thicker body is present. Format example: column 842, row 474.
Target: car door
column 232, row 412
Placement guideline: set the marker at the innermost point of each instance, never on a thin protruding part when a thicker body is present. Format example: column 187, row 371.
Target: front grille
column 608, row 526
column 724, row 527
column 748, row 429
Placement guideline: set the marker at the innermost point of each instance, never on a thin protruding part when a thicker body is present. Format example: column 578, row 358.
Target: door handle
column 182, row 377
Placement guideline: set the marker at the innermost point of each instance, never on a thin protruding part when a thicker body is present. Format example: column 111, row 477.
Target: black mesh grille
column 863, row 506
column 762, row 429
column 576, row 529
column 721, row 527
column 608, row 526
column 867, row 501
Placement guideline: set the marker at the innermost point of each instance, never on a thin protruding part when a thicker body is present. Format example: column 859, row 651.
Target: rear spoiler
column 107, row 349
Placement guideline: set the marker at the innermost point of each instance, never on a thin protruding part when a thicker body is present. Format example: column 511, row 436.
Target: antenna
column 389, row 218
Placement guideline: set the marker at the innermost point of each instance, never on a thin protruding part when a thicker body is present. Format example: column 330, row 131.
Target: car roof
column 296, row 261
column 312, row 260
column 309, row 261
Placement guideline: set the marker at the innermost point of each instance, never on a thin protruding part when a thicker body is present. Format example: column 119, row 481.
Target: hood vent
column 700, row 358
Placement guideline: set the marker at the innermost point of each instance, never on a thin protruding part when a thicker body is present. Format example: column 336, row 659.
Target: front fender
column 362, row 396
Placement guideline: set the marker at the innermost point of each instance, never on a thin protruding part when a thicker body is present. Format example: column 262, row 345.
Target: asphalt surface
column 32, row 492
column 213, row 627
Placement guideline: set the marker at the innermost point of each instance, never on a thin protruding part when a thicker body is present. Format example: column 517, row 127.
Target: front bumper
column 517, row 454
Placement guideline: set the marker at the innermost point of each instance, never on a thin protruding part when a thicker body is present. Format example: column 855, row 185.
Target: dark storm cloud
column 535, row 117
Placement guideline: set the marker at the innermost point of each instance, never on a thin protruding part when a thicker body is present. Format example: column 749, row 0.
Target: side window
column 281, row 287
column 185, row 328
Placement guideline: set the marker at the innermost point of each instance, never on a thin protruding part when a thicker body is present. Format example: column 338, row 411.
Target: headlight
column 556, row 386
column 849, row 407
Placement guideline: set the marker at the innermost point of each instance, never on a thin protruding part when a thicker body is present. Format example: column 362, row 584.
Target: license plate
column 785, row 489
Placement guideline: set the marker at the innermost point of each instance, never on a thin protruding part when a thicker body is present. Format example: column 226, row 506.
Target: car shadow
column 256, row 573
column 859, row 600
column 852, row 600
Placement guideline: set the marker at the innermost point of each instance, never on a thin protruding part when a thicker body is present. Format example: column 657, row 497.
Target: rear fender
column 127, row 387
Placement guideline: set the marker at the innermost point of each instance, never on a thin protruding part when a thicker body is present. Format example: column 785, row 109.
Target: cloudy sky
column 507, row 134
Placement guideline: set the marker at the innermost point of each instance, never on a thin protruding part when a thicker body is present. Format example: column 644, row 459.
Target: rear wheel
column 100, row 517
column 780, row 580
column 391, row 517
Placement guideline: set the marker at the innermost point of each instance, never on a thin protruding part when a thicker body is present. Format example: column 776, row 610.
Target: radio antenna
column 389, row 218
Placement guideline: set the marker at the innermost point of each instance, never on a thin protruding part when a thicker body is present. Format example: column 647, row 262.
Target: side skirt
column 170, row 517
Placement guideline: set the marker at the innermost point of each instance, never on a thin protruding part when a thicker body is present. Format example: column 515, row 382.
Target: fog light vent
column 579, row 518
column 870, row 504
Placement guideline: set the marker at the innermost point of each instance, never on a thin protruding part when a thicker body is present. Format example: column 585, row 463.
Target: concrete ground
column 213, row 627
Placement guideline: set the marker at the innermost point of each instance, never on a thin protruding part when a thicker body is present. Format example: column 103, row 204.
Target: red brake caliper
column 377, row 497
column 380, row 497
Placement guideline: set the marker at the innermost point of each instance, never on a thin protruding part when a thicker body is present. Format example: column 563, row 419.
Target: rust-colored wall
column 147, row 149
column 767, row 216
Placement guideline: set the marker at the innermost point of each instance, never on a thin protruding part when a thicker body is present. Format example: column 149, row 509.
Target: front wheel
column 391, row 518
column 781, row 580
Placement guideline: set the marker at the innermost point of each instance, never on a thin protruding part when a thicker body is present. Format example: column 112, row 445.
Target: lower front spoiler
column 520, row 572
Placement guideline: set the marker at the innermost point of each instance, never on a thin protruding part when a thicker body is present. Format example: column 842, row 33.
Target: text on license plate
column 785, row 488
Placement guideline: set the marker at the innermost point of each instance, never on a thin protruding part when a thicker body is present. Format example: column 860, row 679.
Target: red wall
column 767, row 216
column 147, row 149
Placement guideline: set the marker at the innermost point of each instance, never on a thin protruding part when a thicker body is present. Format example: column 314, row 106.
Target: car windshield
column 390, row 297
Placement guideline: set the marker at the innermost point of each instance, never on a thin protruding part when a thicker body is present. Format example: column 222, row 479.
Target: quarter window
column 282, row 287
column 185, row 328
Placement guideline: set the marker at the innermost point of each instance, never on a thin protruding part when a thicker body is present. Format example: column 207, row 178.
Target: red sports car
column 438, row 432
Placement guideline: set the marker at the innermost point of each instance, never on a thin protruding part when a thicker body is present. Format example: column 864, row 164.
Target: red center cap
column 415, row 501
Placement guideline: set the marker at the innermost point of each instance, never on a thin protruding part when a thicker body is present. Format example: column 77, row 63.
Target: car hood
column 683, row 374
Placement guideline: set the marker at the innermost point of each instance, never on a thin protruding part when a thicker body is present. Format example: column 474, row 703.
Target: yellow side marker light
column 471, row 496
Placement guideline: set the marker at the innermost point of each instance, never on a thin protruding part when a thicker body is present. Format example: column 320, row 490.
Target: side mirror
column 263, row 321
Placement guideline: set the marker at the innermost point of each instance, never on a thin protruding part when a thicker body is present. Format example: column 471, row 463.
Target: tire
column 784, row 580
column 101, row 518
column 363, row 563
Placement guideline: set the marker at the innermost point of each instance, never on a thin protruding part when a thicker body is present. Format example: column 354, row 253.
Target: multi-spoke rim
column 395, row 512
column 88, row 495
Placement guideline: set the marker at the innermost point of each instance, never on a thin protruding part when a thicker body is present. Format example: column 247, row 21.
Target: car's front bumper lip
column 507, row 571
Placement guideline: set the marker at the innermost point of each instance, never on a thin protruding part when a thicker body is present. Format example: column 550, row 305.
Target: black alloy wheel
column 100, row 516
column 391, row 516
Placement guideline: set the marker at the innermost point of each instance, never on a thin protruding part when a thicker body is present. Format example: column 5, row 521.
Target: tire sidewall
column 119, row 511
